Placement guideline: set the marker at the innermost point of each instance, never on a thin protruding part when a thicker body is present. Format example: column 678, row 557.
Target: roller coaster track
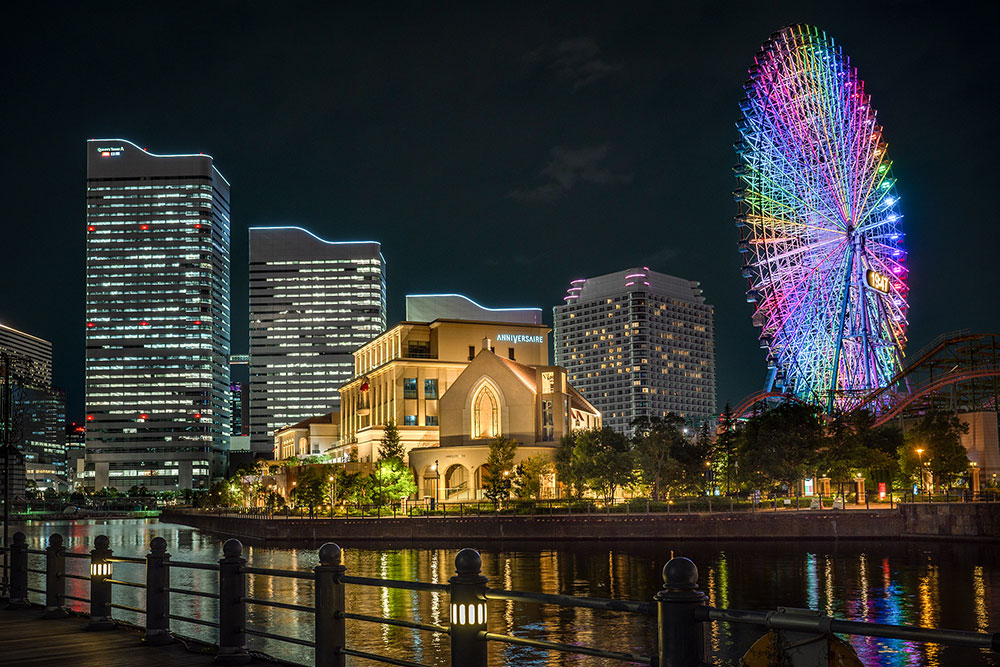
column 982, row 350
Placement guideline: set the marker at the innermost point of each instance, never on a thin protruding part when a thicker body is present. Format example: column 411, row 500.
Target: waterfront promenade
column 966, row 521
column 27, row 640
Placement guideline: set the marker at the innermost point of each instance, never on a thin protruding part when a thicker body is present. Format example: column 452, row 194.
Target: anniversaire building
column 157, row 326
column 638, row 343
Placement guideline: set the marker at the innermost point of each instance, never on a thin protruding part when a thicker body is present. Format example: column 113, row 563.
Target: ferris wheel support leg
column 840, row 329
column 769, row 381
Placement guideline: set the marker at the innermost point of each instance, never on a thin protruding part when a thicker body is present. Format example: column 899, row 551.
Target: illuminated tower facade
column 312, row 304
column 638, row 343
column 158, row 320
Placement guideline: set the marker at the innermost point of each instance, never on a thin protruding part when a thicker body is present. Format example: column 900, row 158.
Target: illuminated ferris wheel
column 820, row 224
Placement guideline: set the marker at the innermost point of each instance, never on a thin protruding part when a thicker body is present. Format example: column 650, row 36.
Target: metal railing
column 680, row 608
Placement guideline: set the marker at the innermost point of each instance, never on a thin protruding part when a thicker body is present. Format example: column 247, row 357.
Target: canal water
column 932, row 584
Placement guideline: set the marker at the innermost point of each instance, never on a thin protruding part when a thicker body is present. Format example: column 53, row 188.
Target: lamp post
column 437, row 478
column 333, row 493
column 920, row 458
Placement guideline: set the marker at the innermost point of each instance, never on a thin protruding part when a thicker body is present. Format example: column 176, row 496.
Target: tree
column 939, row 435
column 599, row 459
column 310, row 489
column 499, row 467
column 654, row 443
column 529, row 474
column 779, row 445
column 392, row 482
column 725, row 448
column 391, row 446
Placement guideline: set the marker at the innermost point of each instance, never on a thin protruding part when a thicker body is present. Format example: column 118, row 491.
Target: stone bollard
column 232, row 608
column 55, row 582
column 331, row 630
column 468, row 611
column 157, row 596
column 18, row 573
column 680, row 638
column 100, row 588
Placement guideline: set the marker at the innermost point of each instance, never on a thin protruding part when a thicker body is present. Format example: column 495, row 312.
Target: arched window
column 485, row 414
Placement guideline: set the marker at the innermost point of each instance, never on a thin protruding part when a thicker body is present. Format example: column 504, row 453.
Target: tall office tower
column 312, row 303
column 157, row 359
column 430, row 307
column 638, row 343
column 30, row 357
column 239, row 409
column 38, row 410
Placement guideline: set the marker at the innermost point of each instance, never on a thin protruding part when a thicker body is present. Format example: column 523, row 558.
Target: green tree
column 598, row 459
column 939, row 435
column 499, row 468
column 654, row 443
column 391, row 446
column 725, row 449
column 779, row 445
column 392, row 481
column 529, row 474
column 310, row 490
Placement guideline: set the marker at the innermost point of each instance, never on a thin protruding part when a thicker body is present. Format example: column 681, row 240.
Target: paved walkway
column 28, row 641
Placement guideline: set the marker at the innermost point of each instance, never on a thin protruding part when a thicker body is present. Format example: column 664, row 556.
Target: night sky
column 498, row 150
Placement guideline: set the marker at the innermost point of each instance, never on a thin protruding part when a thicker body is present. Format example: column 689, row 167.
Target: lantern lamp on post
column 100, row 585
column 468, row 610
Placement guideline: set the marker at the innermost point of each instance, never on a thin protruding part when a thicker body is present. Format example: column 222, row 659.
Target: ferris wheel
column 819, row 220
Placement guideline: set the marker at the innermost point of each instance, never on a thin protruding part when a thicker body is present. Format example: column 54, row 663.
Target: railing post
column 157, row 596
column 18, row 572
column 468, row 611
column 232, row 607
column 680, row 638
column 55, row 582
column 331, row 630
column 100, row 589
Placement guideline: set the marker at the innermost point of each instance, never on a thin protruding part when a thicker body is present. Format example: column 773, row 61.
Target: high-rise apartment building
column 312, row 304
column 638, row 343
column 157, row 328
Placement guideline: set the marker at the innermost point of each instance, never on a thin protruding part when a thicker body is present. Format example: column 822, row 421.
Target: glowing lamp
column 468, row 613
column 143, row 416
column 144, row 323
column 90, row 418
column 91, row 228
column 144, row 227
column 90, row 324
column 100, row 569
column 197, row 415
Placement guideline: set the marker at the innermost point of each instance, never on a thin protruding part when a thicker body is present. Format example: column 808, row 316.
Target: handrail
column 119, row 582
column 187, row 591
column 395, row 583
column 392, row 621
column 280, row 605
column 188, row 619
column 280, row 638
column 645, row 608
column 192, row 565
column 569, row 648
column 381, row 658
column 266, row 571
column 804, row 620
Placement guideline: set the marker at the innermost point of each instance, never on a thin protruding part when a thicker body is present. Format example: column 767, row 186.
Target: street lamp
column 333, row 493
column 437, row 476
column 920, row 458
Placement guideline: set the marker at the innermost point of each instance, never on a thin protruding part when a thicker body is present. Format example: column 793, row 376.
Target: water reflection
column 943, row 585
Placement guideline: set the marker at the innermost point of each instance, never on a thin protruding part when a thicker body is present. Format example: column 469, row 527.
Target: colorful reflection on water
column 937, row 584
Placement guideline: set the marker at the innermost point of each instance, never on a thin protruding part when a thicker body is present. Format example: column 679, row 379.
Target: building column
column 184, row 477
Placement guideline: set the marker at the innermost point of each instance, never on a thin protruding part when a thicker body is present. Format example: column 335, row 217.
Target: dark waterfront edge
column 947, row 521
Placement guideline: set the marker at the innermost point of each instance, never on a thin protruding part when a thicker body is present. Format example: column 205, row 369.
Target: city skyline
column 430, row 164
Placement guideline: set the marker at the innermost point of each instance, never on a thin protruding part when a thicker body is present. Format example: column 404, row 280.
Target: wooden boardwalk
column 27, row 640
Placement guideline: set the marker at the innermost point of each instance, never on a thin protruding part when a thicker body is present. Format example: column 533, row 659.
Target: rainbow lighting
column 819, row 221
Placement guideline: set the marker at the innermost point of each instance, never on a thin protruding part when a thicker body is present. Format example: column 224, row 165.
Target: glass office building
column 158, row 318
column 312, row 304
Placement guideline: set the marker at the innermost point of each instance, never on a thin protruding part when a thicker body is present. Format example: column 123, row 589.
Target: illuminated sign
column 808, row 486
column 519, row 338
column 877, row 281
column 110, row 151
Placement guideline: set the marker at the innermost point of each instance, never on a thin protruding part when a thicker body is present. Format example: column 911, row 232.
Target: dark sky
column 495, row 149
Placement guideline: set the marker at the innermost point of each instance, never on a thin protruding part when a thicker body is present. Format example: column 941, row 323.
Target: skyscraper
column 312, row 303
column 30, row 357
column 638, row 343
column 157, row 359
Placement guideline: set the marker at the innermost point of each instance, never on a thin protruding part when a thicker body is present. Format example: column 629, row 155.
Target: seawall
column 951, row 520
column 784, row 525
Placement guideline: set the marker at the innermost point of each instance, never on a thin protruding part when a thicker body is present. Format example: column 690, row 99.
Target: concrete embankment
column 951, row 520
column 782, row 525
